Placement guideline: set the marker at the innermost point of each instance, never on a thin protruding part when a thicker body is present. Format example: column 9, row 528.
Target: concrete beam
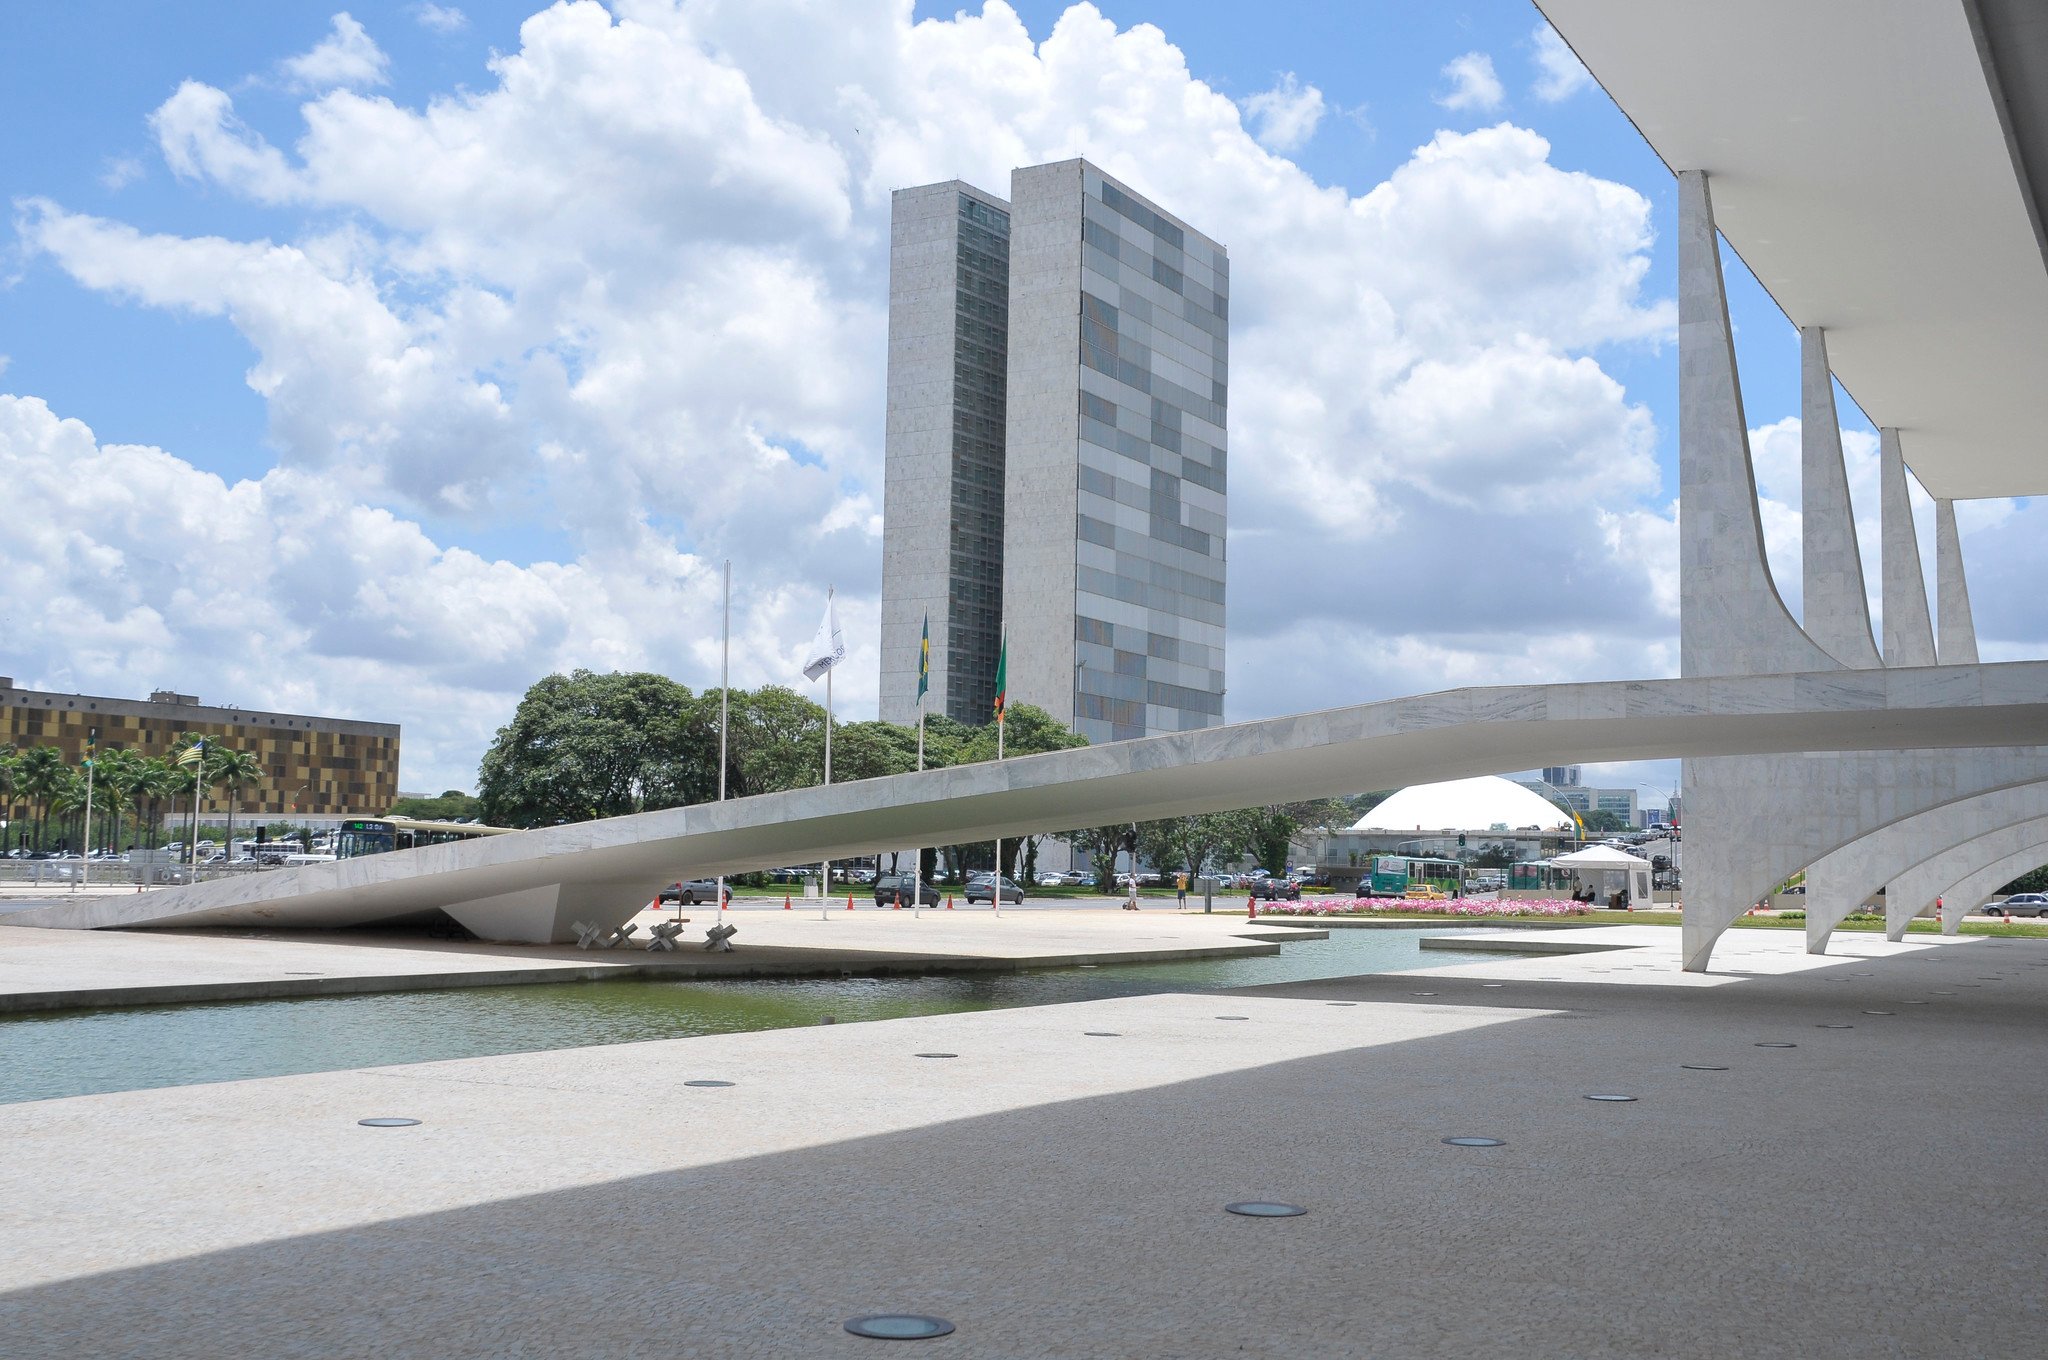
column 1835, row 606
column 1908, row 631
column 1966, row 895
column 1732, row 619
column 1952, row 590
column 1912, row 892
column 1843, row 880
column 1768, row 816
column 1400, row 741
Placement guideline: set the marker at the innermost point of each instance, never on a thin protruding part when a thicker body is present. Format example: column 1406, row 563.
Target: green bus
column 1394, row 875
column 380, row 835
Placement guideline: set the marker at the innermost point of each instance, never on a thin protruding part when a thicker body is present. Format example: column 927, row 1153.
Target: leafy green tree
column 2034, row 880
column 869, row 750
column 1027, row 731
column 1103, row 844
column 453, row 805
column 777, row 741
column 584, row 745
column 1274, row 827
column 1188, row 843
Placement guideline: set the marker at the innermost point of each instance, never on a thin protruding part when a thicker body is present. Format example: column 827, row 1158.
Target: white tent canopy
column 1600, row 857
column 1592, row 866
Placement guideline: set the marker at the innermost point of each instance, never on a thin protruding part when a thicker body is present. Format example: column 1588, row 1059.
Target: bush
column 1795, row 914
column 1456, row 906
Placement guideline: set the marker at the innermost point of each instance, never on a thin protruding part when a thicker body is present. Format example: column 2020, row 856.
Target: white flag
column 828, row 648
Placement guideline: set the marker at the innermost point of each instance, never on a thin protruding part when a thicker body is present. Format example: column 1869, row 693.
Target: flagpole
column 92, row 737
column 1002, row 711
column 917, row 860
column 724, row 716
column 825, row 866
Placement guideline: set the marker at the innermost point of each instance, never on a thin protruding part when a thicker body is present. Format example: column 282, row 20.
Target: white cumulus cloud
column 1285, row 117
column 347, row 56
column 1559, row 72
column 440, row 18
column 1473, row 85
column 627, row 289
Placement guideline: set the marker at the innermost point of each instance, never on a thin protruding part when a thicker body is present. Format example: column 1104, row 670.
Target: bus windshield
column 365, row 838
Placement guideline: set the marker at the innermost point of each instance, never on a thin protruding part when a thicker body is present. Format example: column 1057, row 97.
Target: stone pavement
column 42, row 969
column 1871, row 1191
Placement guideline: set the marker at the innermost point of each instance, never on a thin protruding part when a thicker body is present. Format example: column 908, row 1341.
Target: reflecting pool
column 72, row 1053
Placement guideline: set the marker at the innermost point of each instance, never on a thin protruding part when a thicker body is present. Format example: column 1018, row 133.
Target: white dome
column 1464, row 805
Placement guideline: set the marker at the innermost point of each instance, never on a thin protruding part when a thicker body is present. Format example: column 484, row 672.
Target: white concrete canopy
column 607, row 869
column 1874, row 183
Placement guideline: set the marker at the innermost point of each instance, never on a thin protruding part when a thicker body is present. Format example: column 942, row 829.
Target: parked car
column 690, row 892
column 985, row 891
column 2020, row 904
column 887, row 886
column 1276, row 890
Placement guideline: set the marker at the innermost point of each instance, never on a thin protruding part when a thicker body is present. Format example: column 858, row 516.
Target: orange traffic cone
column 949, row 901
column 849, row 901
column 785, row 903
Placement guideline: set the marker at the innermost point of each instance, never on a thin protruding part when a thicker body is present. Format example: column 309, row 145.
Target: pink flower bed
column 1456, row 906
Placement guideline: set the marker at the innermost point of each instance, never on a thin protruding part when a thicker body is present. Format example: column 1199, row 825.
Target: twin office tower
column 1058, row 366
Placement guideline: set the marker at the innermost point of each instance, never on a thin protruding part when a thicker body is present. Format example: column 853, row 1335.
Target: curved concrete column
column 1835, row 606
column 1915, row 890
column 1768, row 816
column 1839, row 882
column 1952, row 590
column 1732, row 621
column 1908, row 631
column 1967, row 894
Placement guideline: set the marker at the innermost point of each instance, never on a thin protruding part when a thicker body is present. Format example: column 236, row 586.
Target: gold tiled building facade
column 316, row 766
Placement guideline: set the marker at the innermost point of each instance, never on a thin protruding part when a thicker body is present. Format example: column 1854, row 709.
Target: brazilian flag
column 1002, row 678
column 924, row 661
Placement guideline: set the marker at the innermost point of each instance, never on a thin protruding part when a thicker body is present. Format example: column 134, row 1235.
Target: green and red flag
column 1002, row 678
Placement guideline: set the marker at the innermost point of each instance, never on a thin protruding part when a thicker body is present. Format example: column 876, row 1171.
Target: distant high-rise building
column 942, row 496
column 1056, row 467
column 1560, row 774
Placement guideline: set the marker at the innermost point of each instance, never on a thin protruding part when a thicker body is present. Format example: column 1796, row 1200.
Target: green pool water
column 70, row 1053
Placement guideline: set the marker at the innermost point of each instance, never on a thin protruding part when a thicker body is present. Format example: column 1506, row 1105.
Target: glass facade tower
column 942, row 508
column 1056, row 466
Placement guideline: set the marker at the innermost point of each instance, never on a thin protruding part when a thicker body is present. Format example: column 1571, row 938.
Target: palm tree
column 119, row 772
column 229, row 768
column 161, row 782
column 6, row 788
column 67, row 800
column 39, row 772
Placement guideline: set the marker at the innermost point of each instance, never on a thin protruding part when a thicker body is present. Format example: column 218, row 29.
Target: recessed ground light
column 1493, row 984
column 1474, row 1142
column 1884, row 1012
column 1340, row 1003
column 1612, row 1099
column 1264, row 1208
column 1087, row 965
column 899, row 1326
column 1233, row 1017
column 707, row 1082
column 387, row 1123
column 1834, row 1027
column 1102, row 1033
column 938, row 1055
column 1702, row 1067
column 1422, row 993
column 1914, row 1003
column 1941, row 993
column 1776, row 1043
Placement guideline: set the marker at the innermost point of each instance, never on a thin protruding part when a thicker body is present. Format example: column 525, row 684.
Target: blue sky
column 80, row 336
